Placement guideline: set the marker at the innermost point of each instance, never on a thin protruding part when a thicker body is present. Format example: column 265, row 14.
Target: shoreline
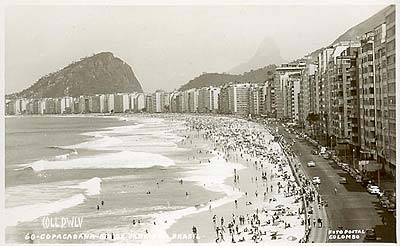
column 225, row 191
column 208, row 235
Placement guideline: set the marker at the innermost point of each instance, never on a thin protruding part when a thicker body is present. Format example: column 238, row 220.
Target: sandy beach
column 177, row 179
column 276, row 211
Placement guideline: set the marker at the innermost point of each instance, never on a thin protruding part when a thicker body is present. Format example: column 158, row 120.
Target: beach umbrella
column 291, row 238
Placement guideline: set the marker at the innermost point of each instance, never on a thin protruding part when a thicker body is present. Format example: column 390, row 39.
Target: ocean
column 60, row 168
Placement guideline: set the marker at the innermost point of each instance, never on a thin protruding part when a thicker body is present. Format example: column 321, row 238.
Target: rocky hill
column 267, row 53
column 357, row 31
column 217, row 79
column 99, row 74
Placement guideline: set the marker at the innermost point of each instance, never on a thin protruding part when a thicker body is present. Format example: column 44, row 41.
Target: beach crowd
column 282, row 209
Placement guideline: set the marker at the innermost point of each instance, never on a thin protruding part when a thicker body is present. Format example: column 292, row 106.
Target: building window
column 390, row 46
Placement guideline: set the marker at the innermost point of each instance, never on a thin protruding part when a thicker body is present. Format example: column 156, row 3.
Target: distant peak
column 267, row 53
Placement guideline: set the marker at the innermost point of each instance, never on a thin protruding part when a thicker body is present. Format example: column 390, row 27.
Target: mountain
column 99, row 74
column 216, row 79
column 266, row 54
column 357, row 31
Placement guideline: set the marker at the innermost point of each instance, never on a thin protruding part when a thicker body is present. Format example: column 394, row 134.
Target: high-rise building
column 223, row 102
column 125, row 103
column 368, row 96
column 110, row 101
column 307, row 93
column 157, row 102
column 149, row 103
column 208, row 99
column 238, row 96
column 95, row 104
column 203, row 100
column 377, row 96
column 270, row 105
column 287, row 91
column 389, row 138
column 192, row 96
column 342, row 99
column 257, row 97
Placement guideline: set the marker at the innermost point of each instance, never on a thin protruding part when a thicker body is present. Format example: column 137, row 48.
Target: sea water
column 64, row 167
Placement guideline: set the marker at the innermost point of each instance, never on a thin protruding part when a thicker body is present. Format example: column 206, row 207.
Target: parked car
column 373, row 189
column 311, row 164
column 326, row 156
column 352, row 173
column 385, row 202
column 342, row 180
column 316, row 180
column 370, row 234
column 391, row 207
column 345, row 167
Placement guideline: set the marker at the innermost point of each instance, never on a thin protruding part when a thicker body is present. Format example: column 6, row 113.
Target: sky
column 166, row 46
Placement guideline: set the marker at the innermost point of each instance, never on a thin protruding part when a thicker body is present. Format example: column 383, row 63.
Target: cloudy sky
column 165, row 46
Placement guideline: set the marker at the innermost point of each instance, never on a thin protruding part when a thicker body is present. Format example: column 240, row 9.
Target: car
column 316, row 180
column 342, row 180
column 325, row 156
column 370, row 234
column 391, row 207
column 352, row 173
column 345, row 167
column 385, row 203
column 373, row 189
column 311, row 164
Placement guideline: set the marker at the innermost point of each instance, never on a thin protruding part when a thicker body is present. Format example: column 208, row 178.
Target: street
column 352, row 207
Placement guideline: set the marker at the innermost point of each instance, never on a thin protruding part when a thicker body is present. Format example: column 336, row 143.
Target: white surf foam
column 147, row 132
column 65, row 156
column 15, row 215
column 92, row 186
column 123, row 159
column 101, row 143
column 211, row 176
column 49, row 191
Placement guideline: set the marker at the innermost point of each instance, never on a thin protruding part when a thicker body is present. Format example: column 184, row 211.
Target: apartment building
column 287, row 91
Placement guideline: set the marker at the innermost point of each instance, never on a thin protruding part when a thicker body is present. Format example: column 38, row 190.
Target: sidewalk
column 317, row 234
column 314, row 234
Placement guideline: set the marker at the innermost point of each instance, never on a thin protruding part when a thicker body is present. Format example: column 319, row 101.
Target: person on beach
column 194, row 230
column 232, row 136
